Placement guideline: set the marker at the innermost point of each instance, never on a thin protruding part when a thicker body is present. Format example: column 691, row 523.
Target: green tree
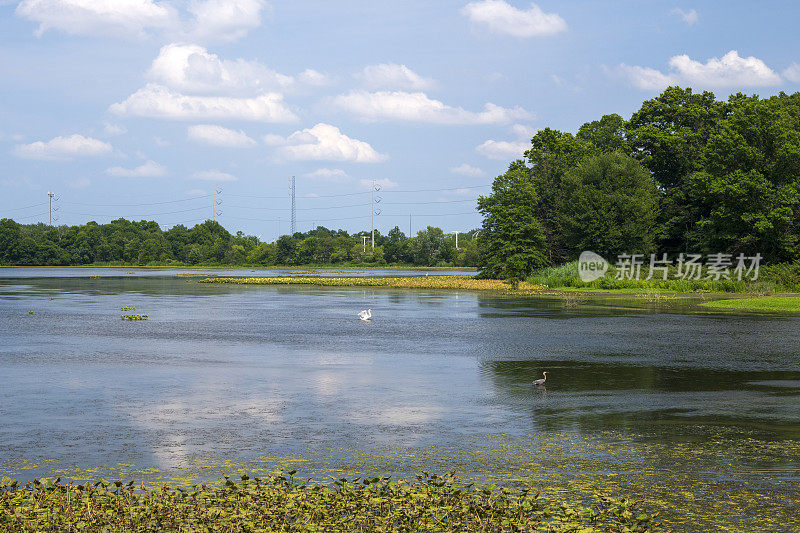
column 610, row 206
column 512, row 240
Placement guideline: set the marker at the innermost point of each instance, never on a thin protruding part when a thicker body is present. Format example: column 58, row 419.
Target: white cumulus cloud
column 503, row 150
column 61, row 148
column 324, row 142
column 792, row 73
column 500, row 17
column 214, row 175
column 150, row 169
column 190, row 68
column 99, row 17
column 417, row 107
column 157, row 101
column 689, row 17
column 467, row 170
column 730, row 70
column 393, row 76
column 334, row 175
column 218, row 136
column 224, row 20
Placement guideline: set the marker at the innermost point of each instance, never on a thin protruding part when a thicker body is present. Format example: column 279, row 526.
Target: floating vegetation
column 417, row 282
column 134, row 317
column 128, row 308
column 94, row 277
column 281, row 503
column 190, row 274
column 31, row 313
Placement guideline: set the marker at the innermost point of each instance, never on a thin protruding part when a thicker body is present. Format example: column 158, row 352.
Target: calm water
column 705, row 400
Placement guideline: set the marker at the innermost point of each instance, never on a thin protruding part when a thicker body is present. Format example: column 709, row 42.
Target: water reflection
column 228, row 371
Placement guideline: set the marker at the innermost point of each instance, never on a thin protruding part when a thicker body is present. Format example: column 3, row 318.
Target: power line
column 141, row 205
column 26, row 207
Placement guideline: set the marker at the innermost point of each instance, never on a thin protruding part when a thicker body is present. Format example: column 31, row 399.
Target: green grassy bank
column 766, row 303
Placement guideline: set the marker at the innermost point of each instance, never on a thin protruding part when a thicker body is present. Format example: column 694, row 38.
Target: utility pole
column 409, row 225
column 456, row 234
column 294, row 209
column 364, row 242
column 52, row 197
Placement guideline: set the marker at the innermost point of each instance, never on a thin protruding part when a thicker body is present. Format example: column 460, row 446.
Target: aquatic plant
column 416, row 282
column 766, row 303
column 281, row 503
column 128, row 308
column 134, row 317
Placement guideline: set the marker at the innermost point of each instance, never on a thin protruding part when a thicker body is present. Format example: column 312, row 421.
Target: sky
column 161, row 109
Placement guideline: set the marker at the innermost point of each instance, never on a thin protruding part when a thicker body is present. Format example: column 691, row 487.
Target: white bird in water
column 540, row 382
column 365, row 315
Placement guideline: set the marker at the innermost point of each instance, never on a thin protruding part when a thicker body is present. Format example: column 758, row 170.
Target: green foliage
column 281, row 503
column 144, row 243
column 512, row 240
column 610, row 206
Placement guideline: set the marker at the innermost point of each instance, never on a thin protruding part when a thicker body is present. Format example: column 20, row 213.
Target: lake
column 696, row 411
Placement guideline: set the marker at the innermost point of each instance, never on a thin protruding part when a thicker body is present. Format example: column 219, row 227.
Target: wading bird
column 540, row 382
column 365, row 315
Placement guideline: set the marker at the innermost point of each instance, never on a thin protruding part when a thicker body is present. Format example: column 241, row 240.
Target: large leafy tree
column 610, row 206
column 512, row 240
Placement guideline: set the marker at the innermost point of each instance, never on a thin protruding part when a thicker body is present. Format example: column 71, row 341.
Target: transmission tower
column 294, row 207
column 375, row 199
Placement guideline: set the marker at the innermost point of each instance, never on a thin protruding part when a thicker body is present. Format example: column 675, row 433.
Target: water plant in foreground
column 281, row 503
column 128, row 308
column 134, row 317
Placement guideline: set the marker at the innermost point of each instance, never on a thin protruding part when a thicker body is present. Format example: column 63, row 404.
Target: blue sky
column 140, row 108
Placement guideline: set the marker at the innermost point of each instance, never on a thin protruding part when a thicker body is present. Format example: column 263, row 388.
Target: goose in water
column 540, row 382
column 365, row 315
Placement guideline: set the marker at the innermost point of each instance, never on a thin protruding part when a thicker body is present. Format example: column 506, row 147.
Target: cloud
column 114, row 129
column 190, row 68
column 499, row 17
column 313, row 78
column 522, row 131
column 62, row 148
column 730, row 70
column 503, row 150
column 218, row 136
column 792, row 73
column 689, row 17
column 385, row 183
column 210, row 20
column 467, row 170
column 393, row 76
column 157, row 101
column 645, row 78
column 129, row 18
column 214, row 175
column 334, row 175
column 224, row 20
column 417, row 107
column 324, row 142
column 150, row 169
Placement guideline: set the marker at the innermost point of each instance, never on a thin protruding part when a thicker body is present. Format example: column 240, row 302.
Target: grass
column 766, row 303
column 281, row 503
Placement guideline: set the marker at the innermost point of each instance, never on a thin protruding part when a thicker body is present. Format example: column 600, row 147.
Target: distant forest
column 145, row 243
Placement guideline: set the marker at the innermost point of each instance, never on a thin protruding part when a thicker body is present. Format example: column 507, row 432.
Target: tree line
column 144, row 242
column 686, row 173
